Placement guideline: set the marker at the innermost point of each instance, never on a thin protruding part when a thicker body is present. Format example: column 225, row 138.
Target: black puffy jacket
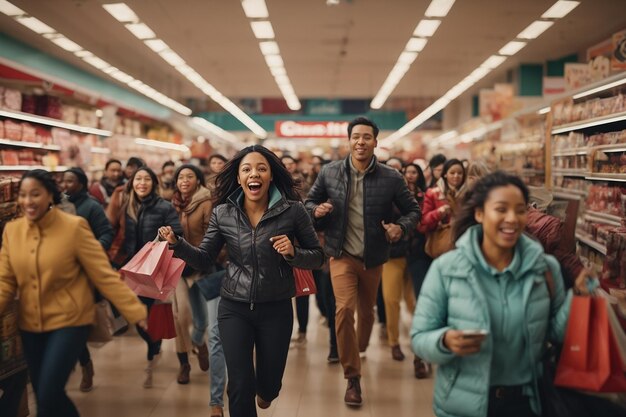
column 91, row 210
column 153, row 213
column 382, row 186
column 256, row 273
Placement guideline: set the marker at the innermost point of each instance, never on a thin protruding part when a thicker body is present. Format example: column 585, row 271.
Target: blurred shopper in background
column 216, row 163
column 112, row 179
column 132, row 165
column 166, row 180
column 435, row 166
column 53, row 260
column 258, row 217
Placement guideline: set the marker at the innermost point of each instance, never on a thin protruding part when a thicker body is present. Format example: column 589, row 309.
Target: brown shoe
column 262, row 403
column 396, row 353
column 217, row 411
column 353, row 393
column 183, row 374
column 203, row 356
column 421, row 368
column 86, row 384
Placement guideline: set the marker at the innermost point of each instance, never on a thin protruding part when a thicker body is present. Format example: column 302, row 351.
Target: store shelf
column 572, row 152
column 566, row 196
column 529, row 172
column 618, row 147
column 603, row 218
column 97, row 149
column 571, row 192
column 587, row 240
column 584, row 124
column 606, row 177
column 570, row 172
column 59, row 168
column 34, row 145
column 48, row 121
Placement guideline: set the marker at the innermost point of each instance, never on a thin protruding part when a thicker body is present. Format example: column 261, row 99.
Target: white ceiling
column 343, row 51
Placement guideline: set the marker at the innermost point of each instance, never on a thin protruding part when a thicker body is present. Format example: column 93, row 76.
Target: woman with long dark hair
column 54, row 261
column 485, row 309
column 141, row 216
column 257, row 217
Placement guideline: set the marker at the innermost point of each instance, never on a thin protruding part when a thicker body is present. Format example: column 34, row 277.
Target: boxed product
column 10, row 99
column 609, row 162
column 606, row 199
column 43, row 135
column 26, row 157
column 9, row 157
column 12, row 130
column 49, row 106
column 29, row 133
column 614, row 270
column 29, row 104
column 87, row 118
column 2, row 129
column 69, row 114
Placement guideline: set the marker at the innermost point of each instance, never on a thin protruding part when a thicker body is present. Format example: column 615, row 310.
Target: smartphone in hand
column 470, row 333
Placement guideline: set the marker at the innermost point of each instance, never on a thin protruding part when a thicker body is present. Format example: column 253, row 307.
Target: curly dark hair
column 47, row 180
column 226, row 180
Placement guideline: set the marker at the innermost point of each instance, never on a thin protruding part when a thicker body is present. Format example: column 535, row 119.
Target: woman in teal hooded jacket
column 485, row 311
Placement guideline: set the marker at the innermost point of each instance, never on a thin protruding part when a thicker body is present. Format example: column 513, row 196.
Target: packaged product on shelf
column 29, row 103
column 614, row 269
column 29, row 133
column 26, row 157
column 49, row 106
column 6, row 189
column 87, row 118
column 60, row 136
column 609, row 162
column 10, row 99
column 43, row 135
column 12, row 130
column 69, row 114
column 2, row 129
column 9, row 157
column 606, row 199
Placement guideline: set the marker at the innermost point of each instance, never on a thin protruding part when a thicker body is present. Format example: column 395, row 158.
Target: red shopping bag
column 590, row 359
column 305, row 284
column 161, row 322
column 153, row 272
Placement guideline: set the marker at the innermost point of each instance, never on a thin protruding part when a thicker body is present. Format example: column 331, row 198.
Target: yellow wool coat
column 53, row 265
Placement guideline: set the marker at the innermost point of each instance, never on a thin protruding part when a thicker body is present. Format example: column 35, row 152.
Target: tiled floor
column 311, row 387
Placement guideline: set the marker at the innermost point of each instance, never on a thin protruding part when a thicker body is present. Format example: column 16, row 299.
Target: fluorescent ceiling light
column 96, row 62
column 121, row 12
column 172, row 58
column 262, row 30
column 282, row 79
column 407, row 57
column 415, row 44
column 10, row 10
column 274, row 61
column 278, row 71
column 163, row 145
column 493, row 61
column 107, row 70
column 512, row 48
column 535, row 29
column 600, row 88
column 216, row 130
column 255, row 9
column 140, row 30
column 83, row 54
column 121, row 76
column 157, row 45
column 426, row 28
column 67, row 44
column 439, row 8
column 560, row 9
column 479, row 73
column 269, row 48
column 448, row 135
column 35, row 25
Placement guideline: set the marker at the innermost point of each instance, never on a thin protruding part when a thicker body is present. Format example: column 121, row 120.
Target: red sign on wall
column 292, row 129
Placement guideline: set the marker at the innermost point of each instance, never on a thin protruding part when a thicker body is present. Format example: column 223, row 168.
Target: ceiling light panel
column 67, row 44
column 415, row 44
column 9, row 9
column 125, row 14
column 560, row 9
column 535, row 29
column 269, row 48
column 262, row 30
column 140, row 30
column 121, row 12
column 35, row 25
column 426, row 28
column 532, row 31
column 255, row 9
column 512, row 48
column 439, row 8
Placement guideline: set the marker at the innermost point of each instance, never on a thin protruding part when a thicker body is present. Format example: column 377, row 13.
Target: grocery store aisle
column 311, row 387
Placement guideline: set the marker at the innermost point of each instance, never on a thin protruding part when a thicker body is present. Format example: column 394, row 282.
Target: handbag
column 102, row 330
column 161, row 322
column 305, row 283
column 439, row 241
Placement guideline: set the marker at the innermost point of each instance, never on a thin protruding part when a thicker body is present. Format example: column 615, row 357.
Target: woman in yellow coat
column 53, row 261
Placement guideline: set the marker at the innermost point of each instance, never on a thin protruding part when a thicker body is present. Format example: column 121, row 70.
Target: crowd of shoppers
column 245, row 224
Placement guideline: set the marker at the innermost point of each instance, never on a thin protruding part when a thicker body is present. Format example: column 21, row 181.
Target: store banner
column 553, row 87
column 293, row 129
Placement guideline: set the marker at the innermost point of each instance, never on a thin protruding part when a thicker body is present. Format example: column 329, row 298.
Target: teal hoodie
column 453, row 296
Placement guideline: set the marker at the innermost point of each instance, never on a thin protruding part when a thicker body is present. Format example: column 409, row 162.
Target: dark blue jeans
column 51, row 356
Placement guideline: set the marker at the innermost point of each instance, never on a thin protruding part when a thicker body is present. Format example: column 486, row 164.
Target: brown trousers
column 355, row 290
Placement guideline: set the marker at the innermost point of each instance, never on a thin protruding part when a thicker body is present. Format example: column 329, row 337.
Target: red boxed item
column 9, row 158
column 43, row 135
column 26, row 157
column 12, row 130
column 50, row 107
column 29, row 133
column 29, row 104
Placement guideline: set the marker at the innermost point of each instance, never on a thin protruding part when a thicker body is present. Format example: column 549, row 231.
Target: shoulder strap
column 550, row 283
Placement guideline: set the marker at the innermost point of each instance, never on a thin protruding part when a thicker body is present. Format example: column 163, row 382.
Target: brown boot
column 217, row 411
column 262, row 403
column 183, row 374
column 421, row 368
column 86, row 384
column 396, row 353
column 203, row 356
column 353, row 393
